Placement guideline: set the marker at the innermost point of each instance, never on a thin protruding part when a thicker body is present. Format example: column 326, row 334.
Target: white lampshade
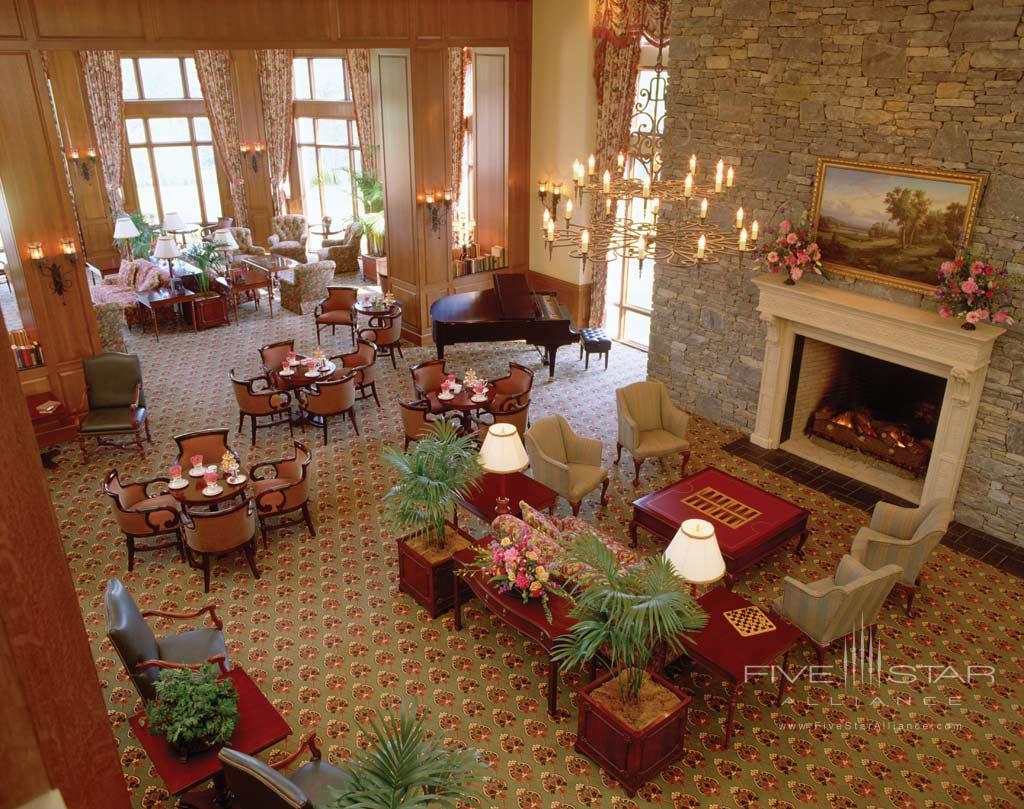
column 124, row 228
column 502, row 451
column 173, row 221
column 225, row 239
column 694, row 553
column 166, row 247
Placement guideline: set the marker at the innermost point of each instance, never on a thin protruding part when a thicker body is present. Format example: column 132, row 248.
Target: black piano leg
column 440, row 351
column 552, row 351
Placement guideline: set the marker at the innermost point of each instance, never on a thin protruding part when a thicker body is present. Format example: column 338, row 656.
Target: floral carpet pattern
column 332, row 642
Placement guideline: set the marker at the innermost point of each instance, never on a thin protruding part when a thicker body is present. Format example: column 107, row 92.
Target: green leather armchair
column 115, row 400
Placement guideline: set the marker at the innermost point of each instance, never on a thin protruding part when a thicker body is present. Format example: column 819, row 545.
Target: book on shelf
column 27, row 352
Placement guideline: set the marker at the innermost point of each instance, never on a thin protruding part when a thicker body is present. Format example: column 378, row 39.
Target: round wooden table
column 376, row 311
column 192, row 495
column 298, row 379
column 462, row 403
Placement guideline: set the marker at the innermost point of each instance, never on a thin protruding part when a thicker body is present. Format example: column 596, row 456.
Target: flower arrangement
column 973, row 290
column 791, row 249
column 518, row 565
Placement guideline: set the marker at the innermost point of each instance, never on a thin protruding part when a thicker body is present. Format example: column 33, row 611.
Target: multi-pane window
column 153, row 78
column 174, row 167
column 466, row 204
column 321, row 79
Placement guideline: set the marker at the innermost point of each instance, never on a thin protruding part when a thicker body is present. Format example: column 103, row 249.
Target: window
column 321, row 79
column 465, row 204
column 174, row 167
column 159, row 78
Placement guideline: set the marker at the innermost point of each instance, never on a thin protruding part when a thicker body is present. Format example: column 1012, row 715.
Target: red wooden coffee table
column 259, row 727
column 750, row 523
column 480, row 501
column 720, row 648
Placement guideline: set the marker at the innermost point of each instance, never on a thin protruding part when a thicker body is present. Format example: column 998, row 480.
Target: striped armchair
column 289, row 236
column 903, row 536
column 829, row 609
column 650, row 426
column 303, row 287
column 568, row 463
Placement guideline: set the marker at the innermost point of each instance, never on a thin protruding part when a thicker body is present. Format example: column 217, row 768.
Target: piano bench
column 594, row 341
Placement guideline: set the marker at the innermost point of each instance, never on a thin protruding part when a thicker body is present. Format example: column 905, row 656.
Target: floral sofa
column 119, row 290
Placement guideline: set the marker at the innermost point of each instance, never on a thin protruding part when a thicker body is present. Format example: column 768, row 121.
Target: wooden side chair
column 283, row 492
column 258, row 399
column 336, row 310
column 385, row 332
column 333, row 397
column 142, row 516
column 515, row 386
column 427, row 376
column 213, row 533
column 144, row 655
column 511, row 412
column 116, row 402
column 416, row 421
column 363, row 363
column 211, row 444
column 272, row 355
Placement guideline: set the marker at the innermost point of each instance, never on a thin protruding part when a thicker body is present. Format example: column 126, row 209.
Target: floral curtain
column 358, row 61
column 214, row 69
column 275, row 67
column 106, row 105
column 458, row 65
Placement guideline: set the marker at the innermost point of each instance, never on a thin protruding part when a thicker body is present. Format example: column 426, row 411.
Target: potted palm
column 211, row 307
column 194, row 709
column 370, row 191
column 403, row 766
column 632, row 720
column 433, row 472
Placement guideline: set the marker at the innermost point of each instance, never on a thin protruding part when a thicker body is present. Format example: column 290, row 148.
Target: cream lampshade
column 225, row 239
column 503, row 453
column 166, row 247
column 124, row 229
column 174, row 222
column 694, row 553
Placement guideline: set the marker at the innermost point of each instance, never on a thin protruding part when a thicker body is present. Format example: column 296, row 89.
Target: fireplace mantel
column 907, row 336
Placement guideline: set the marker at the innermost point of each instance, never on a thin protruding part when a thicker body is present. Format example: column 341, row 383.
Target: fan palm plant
column 207, row 257
column 624, row 615
column 432, row 473
column 403, row 767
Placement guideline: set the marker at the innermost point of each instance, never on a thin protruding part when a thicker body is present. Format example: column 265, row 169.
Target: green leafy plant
column 142, row 245
column 404, row 767
column 207, row 257
column 370, row 192
column 624, row 615
column 432, row 473
column 193, row 708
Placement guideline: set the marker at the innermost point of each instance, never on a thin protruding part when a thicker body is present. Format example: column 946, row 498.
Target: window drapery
column 358, row 60
column 458, row 64
column 275, row 68
column 214, row 69
column 103, row 87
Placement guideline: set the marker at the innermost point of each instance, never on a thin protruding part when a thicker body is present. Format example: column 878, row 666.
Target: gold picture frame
column 909, row 236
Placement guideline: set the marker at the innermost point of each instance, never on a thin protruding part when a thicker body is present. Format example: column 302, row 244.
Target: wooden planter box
column 375, row 269
column 630, row 756
column 430, row 578
column 211, row 311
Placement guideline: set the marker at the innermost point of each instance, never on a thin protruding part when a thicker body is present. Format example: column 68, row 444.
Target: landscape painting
column 892, row 225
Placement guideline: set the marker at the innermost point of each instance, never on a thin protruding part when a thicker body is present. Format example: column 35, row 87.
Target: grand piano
column 509, row 311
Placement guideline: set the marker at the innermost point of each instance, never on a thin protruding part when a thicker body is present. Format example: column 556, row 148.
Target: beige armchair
column 344, row 251
column 650, row 426
column 289, row 236
column 564, row 461
column 243, row 237
column 903, row 536
column 303, row 287
column 829, row 609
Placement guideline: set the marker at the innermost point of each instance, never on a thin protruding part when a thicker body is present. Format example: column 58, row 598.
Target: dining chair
column 144, row 655
column 650, row 425
column 333, row 397
column 363, row 363
column 142, row 516
column 336, row 310
column 211, row 444
column 257, row 398
column 516, row 385
column 272, row 355
column 416, row 421
column 385, row 332
column 214, row 533
column 564, row 461
column 283, row 492
column 115, row 401
column 511, row 411
column 427, row 376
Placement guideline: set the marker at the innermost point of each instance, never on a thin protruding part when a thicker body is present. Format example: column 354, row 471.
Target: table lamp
column 166, row 248
column 173, row 222
column 124, row 232
column 695, row 555
column 503, row 453
column 225, row 240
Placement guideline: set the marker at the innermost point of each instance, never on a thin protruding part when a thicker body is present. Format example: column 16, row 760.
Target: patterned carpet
column 332, row 642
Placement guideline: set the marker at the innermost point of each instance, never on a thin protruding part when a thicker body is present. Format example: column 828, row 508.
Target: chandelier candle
column 743, row 240
column 568, row 210
column 606, row 182
column 753, row 231
column 591, row 165
column 729, row 177
column 704, row 209
column 688, row 186
column 739, row 218
column 702, row 243
column 693, row 164
column 585, row 242
column 621, row 162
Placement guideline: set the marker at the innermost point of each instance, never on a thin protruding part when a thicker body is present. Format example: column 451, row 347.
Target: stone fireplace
column 879, row 391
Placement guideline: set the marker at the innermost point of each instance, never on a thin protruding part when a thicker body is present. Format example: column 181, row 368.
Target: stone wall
column 770, row 87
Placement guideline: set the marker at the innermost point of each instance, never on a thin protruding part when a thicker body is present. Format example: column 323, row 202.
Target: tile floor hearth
column 331, row 641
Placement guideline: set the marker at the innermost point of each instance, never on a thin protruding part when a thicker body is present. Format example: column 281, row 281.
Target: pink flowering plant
column 518, row 564
column 791, row 249
column 974, row 291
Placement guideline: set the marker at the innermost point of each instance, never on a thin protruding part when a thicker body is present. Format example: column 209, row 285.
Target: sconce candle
column 753, row 231
column 67, row 247
column 729, row 177
column 704, row 208
column 35, row 251
column 702, row 243
column 688, row 186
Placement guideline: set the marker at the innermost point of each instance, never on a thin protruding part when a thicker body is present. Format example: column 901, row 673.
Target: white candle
column 655, row 206
column 743, row 240
column 607, row 206
column 591, row 165
column 641, row 248
column 739, row 218
column 585, row 242
column 545, row 218
column 704, row 208
column 551, row 230
column 701, row 244
column 430, row 199
column 621, row 162
column 568, row 210
column 693, row 164
column 647, row 187
column 729, row 177
column 606, row 181
column 577, row 170
column 540, row 187
column 753, row 231
column 688, row 186
column 720, row 168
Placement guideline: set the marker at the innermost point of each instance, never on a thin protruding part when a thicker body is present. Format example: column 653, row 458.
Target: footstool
column 594, row 341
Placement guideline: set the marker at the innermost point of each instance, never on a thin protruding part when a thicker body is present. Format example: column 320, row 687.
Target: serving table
column 192, row 495
column 160, row 298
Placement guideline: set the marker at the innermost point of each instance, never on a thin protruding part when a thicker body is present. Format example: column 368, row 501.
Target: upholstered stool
column 594, row 341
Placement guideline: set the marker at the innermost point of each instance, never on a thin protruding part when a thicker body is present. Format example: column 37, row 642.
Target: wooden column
column 250, row 129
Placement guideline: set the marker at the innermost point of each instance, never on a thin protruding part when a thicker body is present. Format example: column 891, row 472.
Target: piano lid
column 515, row 300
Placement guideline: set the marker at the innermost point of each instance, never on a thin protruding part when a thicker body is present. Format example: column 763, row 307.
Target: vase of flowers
column 791, row 249
column 521, row 567
column 974, row 291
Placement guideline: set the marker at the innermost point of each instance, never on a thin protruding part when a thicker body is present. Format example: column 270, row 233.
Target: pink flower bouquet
column 791, row 250
column 974, row 291
column 521, row 566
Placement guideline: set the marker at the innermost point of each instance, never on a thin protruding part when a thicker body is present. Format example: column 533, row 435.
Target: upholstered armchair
column 511, row 412
column 110, row 323
column 282, row 487
column 427, row 376
column 336, row 310
column 214, row 533
column 258, row 399
column 144, row 655
column 289, row 236
column 650, row 426
column 142, row 515
column 832, row 608
column 273, row 355
column 363, row 363
column 416, row 421
column 905, row 537
column 385, row 332
column 516, row 385
column 255, row 785
column 243, row 238
column 115, row 401
column 344, row 251
column 211, row 444
column 334, row 397
column 303, row 287
column 568, row 463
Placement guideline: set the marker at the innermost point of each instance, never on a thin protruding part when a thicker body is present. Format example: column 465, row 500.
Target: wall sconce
column 85, row 162
column 254, row 151
column 57, row 282
column 438, row 203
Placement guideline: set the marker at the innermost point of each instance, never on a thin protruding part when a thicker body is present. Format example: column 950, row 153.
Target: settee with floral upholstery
column 135, row 276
